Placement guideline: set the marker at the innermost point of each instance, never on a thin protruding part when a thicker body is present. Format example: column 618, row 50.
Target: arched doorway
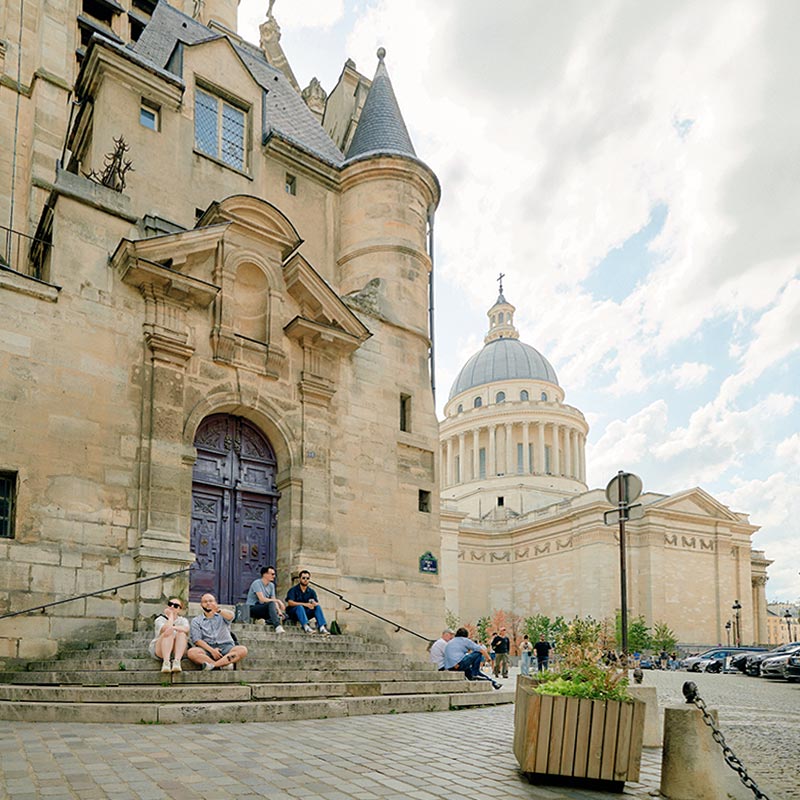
column 234, row 507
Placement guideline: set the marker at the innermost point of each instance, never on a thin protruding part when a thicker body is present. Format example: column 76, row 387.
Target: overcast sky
column 633, row 168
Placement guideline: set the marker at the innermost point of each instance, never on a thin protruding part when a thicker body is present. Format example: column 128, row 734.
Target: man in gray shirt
column 210, row 634
column 262, row 600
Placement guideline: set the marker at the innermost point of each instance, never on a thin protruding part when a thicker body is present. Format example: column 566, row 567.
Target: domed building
column 522, row 532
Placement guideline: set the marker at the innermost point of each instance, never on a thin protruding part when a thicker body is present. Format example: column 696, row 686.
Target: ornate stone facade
column 254, row 274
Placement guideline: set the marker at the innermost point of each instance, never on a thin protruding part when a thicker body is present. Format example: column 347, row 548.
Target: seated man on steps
column 464, row 655
column 302, row 599
column 262, row 600
column 210, row 633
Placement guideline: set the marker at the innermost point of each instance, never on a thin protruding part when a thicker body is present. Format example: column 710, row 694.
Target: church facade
column 214, row 339
column 521, row 532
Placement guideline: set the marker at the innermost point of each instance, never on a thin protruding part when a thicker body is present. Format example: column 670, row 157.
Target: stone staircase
column 284, row 677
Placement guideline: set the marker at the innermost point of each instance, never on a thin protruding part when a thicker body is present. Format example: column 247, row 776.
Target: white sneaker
column 227, row 666
column 279, row 629
column 207, row 666
column 176, row 666
column 308, row 629
column 166, row 666
column 324, row 630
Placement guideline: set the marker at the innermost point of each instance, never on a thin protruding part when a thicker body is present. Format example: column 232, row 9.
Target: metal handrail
column 112, row 589
column 25, row 260
column 350, row 604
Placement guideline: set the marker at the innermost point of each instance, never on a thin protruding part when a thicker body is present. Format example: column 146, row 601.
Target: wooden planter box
column 569, row 737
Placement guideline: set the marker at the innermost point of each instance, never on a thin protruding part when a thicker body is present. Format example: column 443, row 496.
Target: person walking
column 526, row 649
column 542, row 648
column 501, row 646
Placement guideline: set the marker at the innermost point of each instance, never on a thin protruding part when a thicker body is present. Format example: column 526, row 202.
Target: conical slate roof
column 381, row 127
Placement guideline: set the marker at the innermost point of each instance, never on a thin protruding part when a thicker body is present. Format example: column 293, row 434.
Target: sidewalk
column 415, row 756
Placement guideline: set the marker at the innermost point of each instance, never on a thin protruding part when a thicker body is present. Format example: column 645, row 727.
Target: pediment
column 697, row 502
column 255, row 218
column 318, row 302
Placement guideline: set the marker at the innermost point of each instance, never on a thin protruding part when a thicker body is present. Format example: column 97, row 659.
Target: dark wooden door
column 234, row 508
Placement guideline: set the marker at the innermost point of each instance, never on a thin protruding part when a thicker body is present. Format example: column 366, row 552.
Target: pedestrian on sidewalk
column 526, row 649
column 501, row 646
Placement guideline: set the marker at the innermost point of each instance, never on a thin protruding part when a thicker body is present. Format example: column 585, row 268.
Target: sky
column 634, row 170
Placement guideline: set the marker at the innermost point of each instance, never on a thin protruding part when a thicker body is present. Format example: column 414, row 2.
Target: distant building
column 520, row 531
column 780, row 628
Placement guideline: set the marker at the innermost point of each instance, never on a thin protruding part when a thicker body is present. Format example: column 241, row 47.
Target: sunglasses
column 174, row 605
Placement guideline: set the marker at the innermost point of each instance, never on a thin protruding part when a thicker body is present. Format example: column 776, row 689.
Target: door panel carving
column 234, row 508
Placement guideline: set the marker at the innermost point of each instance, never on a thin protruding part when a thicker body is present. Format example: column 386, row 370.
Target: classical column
column 582, row 455
column 567, row 452
column 462, row 466
column 540, row 448
column 526, row 448
column 449, row 462
column 510, row 454
column 491, row 469
column 555, row 466
column 476, row 454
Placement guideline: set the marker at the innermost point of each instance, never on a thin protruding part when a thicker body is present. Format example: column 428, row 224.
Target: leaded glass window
column 219, row 129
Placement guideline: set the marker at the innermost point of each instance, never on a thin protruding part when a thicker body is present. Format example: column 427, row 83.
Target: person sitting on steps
column 302, row 599
column 171, row 632
column 263, row 602
column 464, row 655
column 210, row 632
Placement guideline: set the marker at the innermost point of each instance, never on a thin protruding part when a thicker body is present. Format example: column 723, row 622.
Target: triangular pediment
column 698, row 502
column 318, row 302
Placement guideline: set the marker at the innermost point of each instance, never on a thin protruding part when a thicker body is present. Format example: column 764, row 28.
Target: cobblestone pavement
column 365, row 758
column 760, row 719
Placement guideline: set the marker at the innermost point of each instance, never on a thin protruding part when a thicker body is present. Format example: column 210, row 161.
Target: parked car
column 646, row 662
column 793, row 668
column 754, row 661
column 716, row 658
column 777, row 666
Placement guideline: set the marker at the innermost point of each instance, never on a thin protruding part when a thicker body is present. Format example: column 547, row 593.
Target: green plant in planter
column 581, row 672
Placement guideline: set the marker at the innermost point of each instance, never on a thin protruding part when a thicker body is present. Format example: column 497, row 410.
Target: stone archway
column 234, row 507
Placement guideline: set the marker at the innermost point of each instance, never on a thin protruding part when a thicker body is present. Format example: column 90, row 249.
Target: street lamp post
column 737, row 631
column 788, row 617
column 728, row 632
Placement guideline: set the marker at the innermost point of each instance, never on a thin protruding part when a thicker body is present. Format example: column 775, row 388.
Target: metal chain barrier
column 731, row 759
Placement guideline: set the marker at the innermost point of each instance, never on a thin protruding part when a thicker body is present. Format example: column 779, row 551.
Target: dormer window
column 219, row 129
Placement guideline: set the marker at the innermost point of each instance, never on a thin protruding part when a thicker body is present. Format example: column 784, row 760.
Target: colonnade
column 548, row 448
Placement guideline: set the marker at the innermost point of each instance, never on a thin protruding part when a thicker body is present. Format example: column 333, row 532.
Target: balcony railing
column 22, row 253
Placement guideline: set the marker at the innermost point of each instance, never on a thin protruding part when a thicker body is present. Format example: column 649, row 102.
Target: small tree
column 451, row 619
column 664, row 637
column 482, row 631
column 638, row 633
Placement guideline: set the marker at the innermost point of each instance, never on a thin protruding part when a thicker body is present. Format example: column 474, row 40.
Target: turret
column 387, row 196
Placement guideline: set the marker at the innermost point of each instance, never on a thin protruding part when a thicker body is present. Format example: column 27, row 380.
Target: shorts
column 225, row 647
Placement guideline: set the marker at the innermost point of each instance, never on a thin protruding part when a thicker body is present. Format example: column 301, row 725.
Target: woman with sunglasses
column 170, row 640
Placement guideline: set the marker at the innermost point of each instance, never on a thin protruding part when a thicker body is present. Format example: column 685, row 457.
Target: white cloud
column 298, row 14
column 688, row 374
column 789, row 449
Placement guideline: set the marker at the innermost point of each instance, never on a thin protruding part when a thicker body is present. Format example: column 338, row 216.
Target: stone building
column 783, row 623
column 522, row 532
column 214, row 340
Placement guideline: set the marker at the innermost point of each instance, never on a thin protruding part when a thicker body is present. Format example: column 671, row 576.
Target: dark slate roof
column 286, row 112
column 500, row 360
column 381, row 128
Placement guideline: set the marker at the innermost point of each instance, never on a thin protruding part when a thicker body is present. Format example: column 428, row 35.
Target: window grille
column 219, row 129
column 8, row 487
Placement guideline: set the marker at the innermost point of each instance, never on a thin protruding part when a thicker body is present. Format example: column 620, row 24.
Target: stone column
column 510, row 454
column 556, row 439
column 540, row 447
column 476, row 454
column 449, row 473
column 491, row 469
column 567, row 452
column 526, row 449
column 462, row 467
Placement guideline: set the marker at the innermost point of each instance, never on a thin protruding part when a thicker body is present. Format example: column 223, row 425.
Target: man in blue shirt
column 262, row 600
column 210, row 633
column 464, row 655
column 301, row 600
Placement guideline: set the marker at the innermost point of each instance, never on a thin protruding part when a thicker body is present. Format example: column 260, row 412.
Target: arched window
column 523, row 395
column 477, row 402
column 544, row 396
column 500, row 397
column 460, row 408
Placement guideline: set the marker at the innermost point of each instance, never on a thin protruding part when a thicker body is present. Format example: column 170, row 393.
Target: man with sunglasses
column 302, row 602
column 210, row 632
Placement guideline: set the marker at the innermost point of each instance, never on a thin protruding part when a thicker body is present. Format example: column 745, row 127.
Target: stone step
column 253, row 661
column 252, row 711
column 276, row 646
column 264, row 632
column 187, row 693
column 152, row 676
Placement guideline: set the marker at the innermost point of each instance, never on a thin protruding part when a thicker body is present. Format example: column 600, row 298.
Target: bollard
column 692, row 767
column 652, row 730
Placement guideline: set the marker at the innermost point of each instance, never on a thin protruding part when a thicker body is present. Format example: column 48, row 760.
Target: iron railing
column 110, row 589
column 22, row 253
column 350, row 604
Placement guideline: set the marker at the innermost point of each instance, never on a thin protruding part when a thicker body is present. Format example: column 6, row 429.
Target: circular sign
column 630, row 484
